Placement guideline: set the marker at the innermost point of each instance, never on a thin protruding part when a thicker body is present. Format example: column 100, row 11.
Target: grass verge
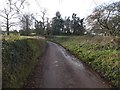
column 101, row 53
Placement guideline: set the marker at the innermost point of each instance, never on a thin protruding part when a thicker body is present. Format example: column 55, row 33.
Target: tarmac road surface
column 63, row 70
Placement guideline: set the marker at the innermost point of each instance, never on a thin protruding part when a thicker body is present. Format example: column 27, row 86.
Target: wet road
column 63, row 70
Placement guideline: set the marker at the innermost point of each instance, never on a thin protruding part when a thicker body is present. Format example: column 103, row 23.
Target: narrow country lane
column 63, row 70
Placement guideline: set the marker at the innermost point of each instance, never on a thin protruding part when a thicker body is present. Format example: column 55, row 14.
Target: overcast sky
column 66, row 7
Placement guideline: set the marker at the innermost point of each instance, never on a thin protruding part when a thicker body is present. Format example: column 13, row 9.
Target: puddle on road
column 55, row 62
column 71, row 59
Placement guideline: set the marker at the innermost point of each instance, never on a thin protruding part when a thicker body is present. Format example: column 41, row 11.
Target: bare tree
column 9, row 13
column 43, row 16
column 106, row 18
column 26, row 22
column 40, row 26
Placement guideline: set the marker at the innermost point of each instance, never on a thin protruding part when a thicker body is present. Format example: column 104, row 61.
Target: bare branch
column 11, row 16
column 22, row 3
column 3, row 25
column 3, row 16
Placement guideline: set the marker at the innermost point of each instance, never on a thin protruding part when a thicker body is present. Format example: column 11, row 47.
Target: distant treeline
column 104, row 20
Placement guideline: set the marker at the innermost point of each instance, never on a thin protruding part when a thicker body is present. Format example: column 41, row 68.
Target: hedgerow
column 18, row 60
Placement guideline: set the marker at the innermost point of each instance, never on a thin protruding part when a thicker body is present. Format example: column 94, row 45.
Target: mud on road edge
column 32, row 81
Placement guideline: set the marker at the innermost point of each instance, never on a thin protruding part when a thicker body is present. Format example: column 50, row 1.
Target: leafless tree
column 106, row 18
column 43, row 16
column 41, row 25
column 9, row 13
column 26, row 23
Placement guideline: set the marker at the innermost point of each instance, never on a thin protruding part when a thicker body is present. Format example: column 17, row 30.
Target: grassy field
column 19, row 56
column 101, row 53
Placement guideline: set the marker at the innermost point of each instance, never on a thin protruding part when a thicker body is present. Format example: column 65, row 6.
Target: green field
column 19, row 56
column 101, row 53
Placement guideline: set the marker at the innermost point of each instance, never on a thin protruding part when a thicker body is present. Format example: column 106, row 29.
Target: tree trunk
column 8, row 27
